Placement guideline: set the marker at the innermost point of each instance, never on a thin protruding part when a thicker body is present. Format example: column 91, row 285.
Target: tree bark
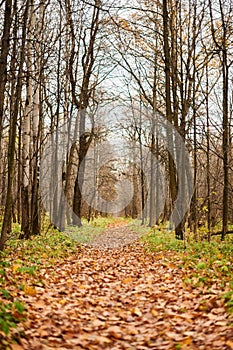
column 88, row 61
column 5, row 45
column 12, row 133
column 169, row 114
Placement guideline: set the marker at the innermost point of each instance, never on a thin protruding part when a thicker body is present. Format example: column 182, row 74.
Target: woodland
column 116, row 174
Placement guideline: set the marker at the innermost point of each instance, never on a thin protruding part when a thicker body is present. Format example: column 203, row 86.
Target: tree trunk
column 12, row 134
column 5, row 45
column 26, row 137
column 88, row 61
column 169, row 114
column 225, row 146
column 222, row 47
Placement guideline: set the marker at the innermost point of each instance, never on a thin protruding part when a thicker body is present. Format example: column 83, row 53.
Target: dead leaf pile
column 123, row 298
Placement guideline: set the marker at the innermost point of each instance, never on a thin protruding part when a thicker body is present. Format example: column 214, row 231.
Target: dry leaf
column 229, row 343
column 16, row 347
column 136, row 312
column 28, row 290
column 115, row 332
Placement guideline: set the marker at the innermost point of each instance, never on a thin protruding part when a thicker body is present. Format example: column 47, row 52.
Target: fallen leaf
column 16, row 347
column 154, row 312
column 115, row 332
column 229, row 343
column 28, row 290
column 136, row 312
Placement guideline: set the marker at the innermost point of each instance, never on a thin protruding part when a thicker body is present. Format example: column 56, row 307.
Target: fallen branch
column 218, row 233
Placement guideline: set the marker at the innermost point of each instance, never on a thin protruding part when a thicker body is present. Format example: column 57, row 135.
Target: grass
column 85, row 234
column 206, row 264
column 20, row 265
column 90, row 230
column 21, row 261
column 136, row 225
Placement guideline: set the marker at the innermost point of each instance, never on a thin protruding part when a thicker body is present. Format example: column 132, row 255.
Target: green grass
column 51, row 243
column 215, row 255
column 90, row 230
column 160, row 239
column 84, row 234
column 205, row 263
column 136, row 225
column 11, row 313
column 20, row 264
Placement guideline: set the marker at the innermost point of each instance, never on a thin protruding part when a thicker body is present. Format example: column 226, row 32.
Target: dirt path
column 115, row 237
column 123, row 298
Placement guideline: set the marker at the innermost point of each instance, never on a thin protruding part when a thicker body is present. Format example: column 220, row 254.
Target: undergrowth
column 20, row 263
column 206, row 263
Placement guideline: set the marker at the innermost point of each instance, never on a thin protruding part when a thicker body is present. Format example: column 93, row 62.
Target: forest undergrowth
column 59, row 292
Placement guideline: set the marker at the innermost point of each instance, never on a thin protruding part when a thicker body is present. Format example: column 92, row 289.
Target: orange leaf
column 28, row 290
column 16, row 347
column 230, row 344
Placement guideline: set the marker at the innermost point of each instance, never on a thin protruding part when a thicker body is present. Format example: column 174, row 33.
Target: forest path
column 122, row 298
column 116, row 235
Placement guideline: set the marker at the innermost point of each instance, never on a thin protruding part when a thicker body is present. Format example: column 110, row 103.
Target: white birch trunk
column 26, row 138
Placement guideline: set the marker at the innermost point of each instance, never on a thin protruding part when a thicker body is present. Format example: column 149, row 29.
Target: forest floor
column 114, row 294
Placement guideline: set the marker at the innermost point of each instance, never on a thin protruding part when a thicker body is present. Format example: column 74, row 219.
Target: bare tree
column 221, row 38
column 12, row 132
column 5, row 46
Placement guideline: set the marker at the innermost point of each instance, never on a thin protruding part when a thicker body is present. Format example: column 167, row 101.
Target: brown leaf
column 229, row 343
column 115, row 331
column 136, row 312
column 120, row 298
column 16, row 347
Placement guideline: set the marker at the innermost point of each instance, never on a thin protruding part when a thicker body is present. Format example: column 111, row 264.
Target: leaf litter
column 121, row 297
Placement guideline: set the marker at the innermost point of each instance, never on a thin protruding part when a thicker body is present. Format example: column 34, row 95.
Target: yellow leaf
column 28, row 290
column 154, row 312
column 15, row 267
column 186, row 341
column 70, row 282
column 127, row 280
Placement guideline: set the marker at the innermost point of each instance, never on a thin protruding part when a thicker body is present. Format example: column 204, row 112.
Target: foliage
column 87, row 232
column 91, row 230
column 115, row 297
column 20, row 265
column 206, row 263
column 136, row 225
column 11, row 313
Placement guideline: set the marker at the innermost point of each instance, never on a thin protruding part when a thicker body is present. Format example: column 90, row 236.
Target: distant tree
column 221, row 29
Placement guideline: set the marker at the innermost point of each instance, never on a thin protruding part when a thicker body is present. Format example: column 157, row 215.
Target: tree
column 5, row 46
column 221, row 37
column 12, row 131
